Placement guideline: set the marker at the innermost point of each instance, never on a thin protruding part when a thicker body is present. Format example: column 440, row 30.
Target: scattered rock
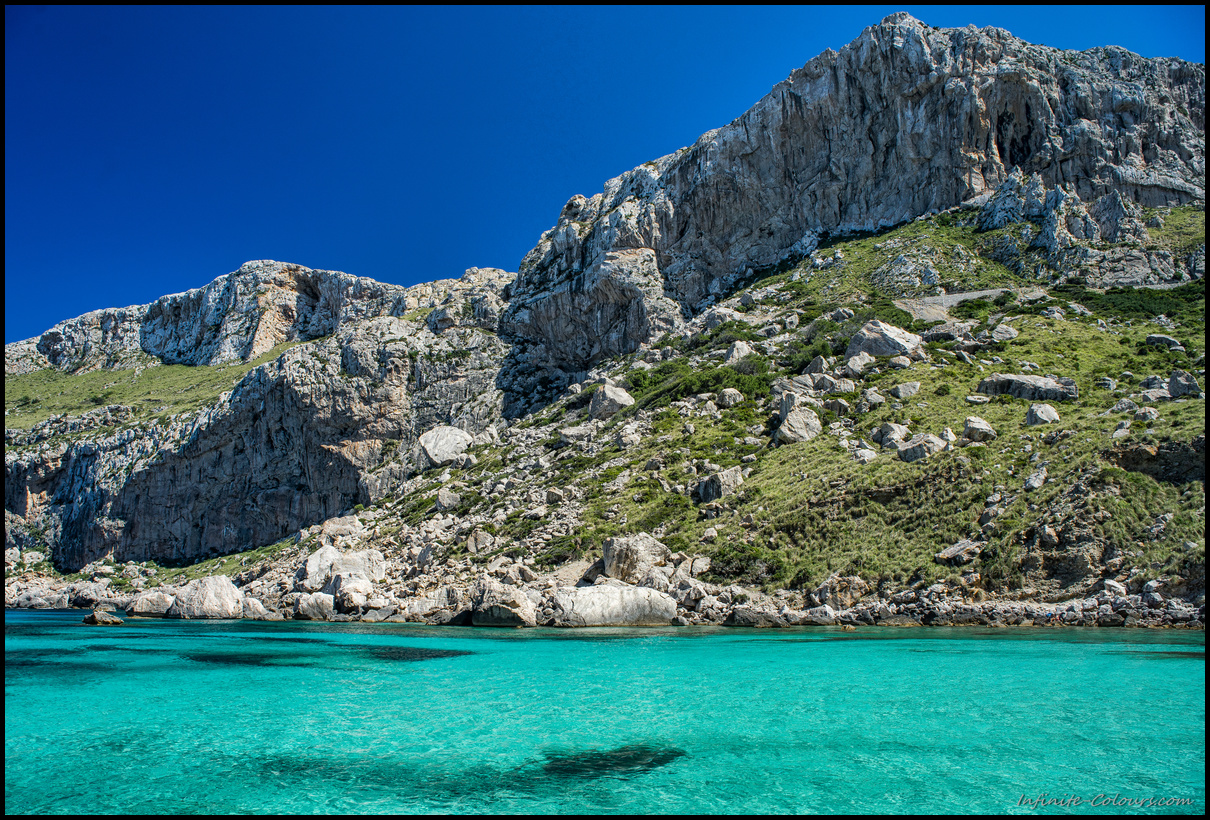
column 877, row 338
column 977, row 429
column 443, row 445
column 1041, row 414
column 719, row 485
column 608, row 400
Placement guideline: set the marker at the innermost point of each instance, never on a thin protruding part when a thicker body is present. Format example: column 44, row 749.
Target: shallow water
column 158, row 716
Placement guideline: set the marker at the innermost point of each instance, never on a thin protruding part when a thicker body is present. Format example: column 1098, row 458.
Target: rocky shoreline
column 637, row 582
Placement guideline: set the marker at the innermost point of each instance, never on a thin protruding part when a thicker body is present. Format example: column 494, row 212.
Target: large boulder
column 959, row 554
column 719, row 485
column 977, row 429
column 150, row 604
column 877, row 338
column 345, row 528
column 1041, row 414
column 211, row 597
column 608, row 400
column 841, row 591
column 754, row 617
column 1161, row 340
column 738, row 351
column 610, row 604
column 948, row 332
column 494, row 604
column 254, row 610
column 314, row 606
column 629, row 557
column 1181, row 383
column 800, row 424
column 920, row 447
column 328, row 562
column 1032, row 388
column 1004, row 333
column 350, row 591
column 729, row 397
column 443, row 445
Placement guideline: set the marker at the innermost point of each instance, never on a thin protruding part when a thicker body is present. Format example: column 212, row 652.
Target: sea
column 299, row 717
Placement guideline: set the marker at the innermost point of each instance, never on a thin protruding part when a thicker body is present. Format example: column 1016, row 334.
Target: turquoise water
column 158, row 716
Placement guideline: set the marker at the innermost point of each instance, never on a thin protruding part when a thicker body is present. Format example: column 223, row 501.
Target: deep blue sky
column 149, row 150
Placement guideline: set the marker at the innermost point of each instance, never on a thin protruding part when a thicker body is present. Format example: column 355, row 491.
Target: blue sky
column 149, row 150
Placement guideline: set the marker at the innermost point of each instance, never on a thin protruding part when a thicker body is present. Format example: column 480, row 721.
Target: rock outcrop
column 905, row 120
column 300, row 439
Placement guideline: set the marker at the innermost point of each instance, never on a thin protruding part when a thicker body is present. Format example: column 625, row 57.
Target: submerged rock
column 99, row 617
column 625, row 759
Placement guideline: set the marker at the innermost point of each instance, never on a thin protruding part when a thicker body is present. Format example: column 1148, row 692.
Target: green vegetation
column 155, row 390
column 1184, row 228
column 1184, row 304
column 677, row 380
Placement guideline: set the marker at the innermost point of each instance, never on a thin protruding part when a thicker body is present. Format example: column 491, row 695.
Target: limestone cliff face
column 904, row 120
column 237, row 317
column 327, row 425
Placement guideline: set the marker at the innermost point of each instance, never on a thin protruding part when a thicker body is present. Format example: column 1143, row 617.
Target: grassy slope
column 155, row 390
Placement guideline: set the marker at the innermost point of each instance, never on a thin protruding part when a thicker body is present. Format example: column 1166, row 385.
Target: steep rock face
column 904, row 120
column 237, row 317
column 327, row 425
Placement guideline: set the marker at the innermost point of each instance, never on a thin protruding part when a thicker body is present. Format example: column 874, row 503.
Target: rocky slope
column 905, row 120
column 707, row 396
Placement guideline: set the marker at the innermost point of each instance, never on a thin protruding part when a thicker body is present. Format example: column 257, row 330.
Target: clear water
column 158, row 716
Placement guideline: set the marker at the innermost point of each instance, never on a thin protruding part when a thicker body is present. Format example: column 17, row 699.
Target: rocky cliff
column 746, row 361
column 905, row 120
column 239, row 317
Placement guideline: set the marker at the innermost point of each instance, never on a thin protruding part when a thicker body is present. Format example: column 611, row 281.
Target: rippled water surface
column 157, row 716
